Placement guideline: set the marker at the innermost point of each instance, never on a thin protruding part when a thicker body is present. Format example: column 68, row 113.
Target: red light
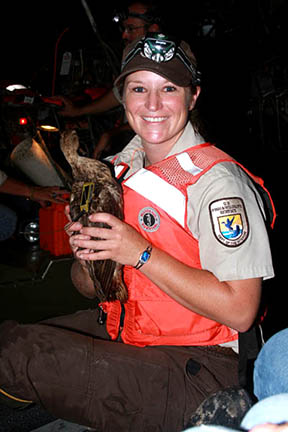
column 23, row 121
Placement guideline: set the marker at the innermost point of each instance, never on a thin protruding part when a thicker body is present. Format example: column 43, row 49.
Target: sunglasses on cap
column 158, row 48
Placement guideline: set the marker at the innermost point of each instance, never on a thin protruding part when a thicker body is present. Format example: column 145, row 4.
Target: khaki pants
column 70, row 367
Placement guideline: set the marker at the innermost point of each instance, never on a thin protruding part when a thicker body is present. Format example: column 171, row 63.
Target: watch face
column 145, row 256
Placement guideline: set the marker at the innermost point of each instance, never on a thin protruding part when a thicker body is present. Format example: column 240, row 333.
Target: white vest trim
column 187, row 164
column 161, row 193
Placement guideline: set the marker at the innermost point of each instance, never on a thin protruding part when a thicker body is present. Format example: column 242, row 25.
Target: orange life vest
column 155, row 201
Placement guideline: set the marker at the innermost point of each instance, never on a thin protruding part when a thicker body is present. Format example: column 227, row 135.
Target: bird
column 95, row 189
column 228, row 223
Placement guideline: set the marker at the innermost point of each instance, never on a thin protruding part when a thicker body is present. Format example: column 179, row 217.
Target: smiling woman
column 147, row 363
column 158, row 99
column 157, row 110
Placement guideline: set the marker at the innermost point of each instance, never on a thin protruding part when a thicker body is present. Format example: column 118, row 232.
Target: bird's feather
column 107, row 197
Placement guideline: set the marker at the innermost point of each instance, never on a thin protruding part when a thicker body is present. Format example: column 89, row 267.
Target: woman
column 193, row 266
column 157, row 109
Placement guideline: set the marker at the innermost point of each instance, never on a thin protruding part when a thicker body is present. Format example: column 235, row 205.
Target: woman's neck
column 154, row 153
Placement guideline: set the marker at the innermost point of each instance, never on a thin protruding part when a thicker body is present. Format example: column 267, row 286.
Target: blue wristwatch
column 144, row 257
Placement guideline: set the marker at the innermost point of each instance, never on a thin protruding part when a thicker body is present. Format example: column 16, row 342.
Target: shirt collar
column 189, row 138
column 134, row 156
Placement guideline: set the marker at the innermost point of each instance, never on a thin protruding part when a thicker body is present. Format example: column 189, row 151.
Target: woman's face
column 157, row 109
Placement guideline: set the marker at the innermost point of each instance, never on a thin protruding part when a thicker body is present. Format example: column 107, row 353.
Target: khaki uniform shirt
column 250, row 258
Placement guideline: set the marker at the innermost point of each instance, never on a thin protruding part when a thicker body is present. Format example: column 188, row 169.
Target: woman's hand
column 71, row 228
column 44, row 194
column 68, row 109
column 120, row 242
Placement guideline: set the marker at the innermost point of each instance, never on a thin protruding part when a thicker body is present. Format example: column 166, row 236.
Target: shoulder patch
column 229, row 221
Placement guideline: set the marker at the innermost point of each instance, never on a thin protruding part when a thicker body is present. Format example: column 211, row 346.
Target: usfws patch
column 229, row 221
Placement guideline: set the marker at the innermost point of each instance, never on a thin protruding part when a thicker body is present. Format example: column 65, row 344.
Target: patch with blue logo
column 229, row 221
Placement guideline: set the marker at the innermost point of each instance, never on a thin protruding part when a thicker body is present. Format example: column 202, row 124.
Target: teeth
column 154, row 119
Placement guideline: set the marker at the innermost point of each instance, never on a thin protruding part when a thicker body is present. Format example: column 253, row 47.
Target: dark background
column 243, row 59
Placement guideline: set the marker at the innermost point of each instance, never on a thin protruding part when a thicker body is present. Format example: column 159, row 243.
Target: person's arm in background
column 40, row 194
column 105, row 103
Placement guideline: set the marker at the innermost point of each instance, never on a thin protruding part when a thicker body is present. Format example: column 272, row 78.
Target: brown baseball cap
column 163, row 55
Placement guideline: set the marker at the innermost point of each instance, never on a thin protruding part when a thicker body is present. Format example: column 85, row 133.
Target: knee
column 271, row 369
column 6, row 329
column 14, row 339
column 273, row 353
